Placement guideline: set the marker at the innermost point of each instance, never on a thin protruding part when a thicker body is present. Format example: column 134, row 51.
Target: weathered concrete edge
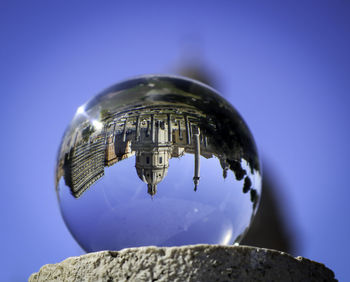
column 253, row 252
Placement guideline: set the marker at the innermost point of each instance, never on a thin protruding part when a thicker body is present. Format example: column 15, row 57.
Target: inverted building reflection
column 154, row 135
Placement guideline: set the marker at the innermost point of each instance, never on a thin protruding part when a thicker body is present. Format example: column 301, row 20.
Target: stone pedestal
column 187, row 263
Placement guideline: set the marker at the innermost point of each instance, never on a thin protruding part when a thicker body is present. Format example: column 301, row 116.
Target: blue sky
column 284, row 65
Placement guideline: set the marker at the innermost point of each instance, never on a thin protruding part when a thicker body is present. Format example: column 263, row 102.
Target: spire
column 196, row 181
column 152, row 189
column 197, row 152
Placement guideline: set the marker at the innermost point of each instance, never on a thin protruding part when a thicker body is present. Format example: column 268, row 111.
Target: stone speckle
column 186, row 263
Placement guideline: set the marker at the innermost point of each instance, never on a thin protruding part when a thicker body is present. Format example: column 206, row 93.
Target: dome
column 152, row 167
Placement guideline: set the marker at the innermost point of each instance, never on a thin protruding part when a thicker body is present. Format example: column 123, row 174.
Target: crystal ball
column 157, row 160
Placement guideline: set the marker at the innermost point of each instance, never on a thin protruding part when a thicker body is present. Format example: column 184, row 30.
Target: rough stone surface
column 187, row 263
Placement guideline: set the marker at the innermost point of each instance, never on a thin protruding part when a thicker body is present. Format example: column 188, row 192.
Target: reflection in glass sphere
column 157, row 160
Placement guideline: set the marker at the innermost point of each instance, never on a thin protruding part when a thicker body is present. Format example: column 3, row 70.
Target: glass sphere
column 157, row 160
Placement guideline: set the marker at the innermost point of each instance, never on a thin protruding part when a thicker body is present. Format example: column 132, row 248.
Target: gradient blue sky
column 285, row 65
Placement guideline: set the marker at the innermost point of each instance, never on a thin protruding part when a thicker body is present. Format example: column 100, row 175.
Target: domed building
column 153, row 149
column 152, row 166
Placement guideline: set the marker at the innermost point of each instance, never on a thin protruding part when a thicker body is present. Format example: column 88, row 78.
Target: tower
column 197, row 154
column 153, row 150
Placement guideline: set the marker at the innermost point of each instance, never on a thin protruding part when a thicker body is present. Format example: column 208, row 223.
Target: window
column 147, row 160
column 160, row 160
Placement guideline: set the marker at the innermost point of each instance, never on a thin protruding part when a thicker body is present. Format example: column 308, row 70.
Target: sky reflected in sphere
column 157, row 160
